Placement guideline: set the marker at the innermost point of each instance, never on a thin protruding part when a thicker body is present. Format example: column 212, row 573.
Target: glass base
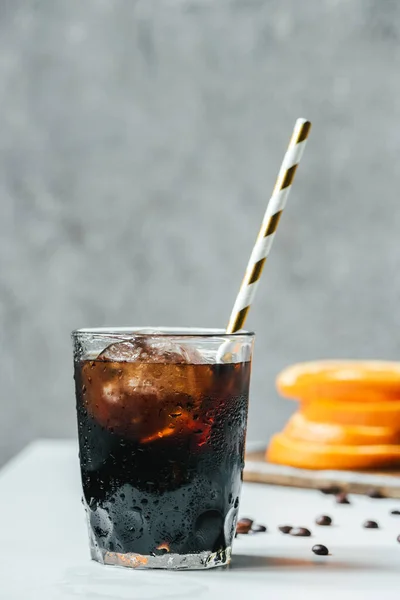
column 204, row 560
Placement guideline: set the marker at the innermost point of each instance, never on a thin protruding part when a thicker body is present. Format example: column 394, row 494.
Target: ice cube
column 122, row 352
column 147, row 389
column 147, row 349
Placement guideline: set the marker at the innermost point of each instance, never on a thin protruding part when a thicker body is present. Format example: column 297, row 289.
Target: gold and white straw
column 269, row 225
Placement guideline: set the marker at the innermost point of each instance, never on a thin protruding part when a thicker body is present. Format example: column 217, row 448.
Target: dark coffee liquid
column 161, row 451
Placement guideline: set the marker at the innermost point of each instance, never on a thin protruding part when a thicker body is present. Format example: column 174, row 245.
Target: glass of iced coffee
column 162, row 421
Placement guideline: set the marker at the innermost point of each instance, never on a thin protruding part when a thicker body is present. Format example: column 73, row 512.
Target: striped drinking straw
column 269, row 225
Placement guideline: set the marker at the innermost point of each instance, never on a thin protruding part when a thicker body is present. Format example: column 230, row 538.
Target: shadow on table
column 248, row 562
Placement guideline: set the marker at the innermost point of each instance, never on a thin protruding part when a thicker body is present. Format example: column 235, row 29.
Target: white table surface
column 44, row 552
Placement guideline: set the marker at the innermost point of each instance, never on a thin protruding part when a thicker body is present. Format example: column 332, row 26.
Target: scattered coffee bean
column 243, row 529
column 320, row 550
column 244, row 525
column 258, row 529
column 375, row 493
column 300, row 532
column 370, row 525
column 323, row 520
column 285, row 528
column 342, row 498
column 395, row 512
column 331, row 489
column 246, row 521
column 398, row 538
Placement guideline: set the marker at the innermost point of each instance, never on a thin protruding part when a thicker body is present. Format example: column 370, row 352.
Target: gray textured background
column 139, row 142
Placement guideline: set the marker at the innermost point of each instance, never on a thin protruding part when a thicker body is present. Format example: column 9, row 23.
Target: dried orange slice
column 300, row 428
column 287, row 451
column 364, row 381
column 373, row 414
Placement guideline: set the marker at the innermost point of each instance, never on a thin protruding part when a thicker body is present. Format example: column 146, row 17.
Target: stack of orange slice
column 349, row 416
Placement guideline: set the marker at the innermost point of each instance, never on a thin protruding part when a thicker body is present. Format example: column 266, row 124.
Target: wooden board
column 358, row 482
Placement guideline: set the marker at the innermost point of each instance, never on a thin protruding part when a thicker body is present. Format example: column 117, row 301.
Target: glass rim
column 167, row 332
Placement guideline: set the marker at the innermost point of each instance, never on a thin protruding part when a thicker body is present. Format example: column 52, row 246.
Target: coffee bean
column 342, row 498
column 331, row 489
column 300, row 532
column 370, row 525
column 258, row 529
column 395, row 512
column 246, row 521
column 320, row 550
column 375, row 493
column 323, row 520
column 244, row 525
column 242, row 529
column 285, row 528
column 398, row 538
